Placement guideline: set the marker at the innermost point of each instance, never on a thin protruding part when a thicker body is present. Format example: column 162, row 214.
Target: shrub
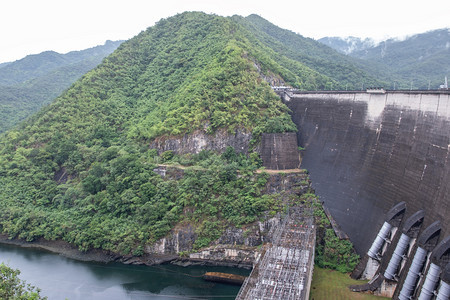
column 11, row 287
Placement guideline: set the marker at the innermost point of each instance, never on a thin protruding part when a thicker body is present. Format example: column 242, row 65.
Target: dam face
column 365, row 152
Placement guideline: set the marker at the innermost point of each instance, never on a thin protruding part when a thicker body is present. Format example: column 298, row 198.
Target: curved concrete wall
column 365, row 152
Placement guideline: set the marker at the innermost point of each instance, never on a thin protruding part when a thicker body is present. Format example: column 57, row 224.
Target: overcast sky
column 33, row 26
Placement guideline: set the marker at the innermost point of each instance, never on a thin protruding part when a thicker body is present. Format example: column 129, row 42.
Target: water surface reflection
column 60, row 278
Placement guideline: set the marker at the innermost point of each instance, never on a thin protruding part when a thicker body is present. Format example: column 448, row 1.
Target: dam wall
column 279, row 151
column 366, row 152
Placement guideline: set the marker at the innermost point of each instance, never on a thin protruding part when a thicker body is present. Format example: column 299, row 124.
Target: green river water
column 61, row 278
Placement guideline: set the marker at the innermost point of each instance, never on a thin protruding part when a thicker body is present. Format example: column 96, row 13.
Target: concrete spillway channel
column 285, row 269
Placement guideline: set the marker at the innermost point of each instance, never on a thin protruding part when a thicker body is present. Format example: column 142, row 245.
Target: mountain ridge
column 29, row 83
column 349, row 44
column 35, row 65
column 417, row 61
column 347, row 72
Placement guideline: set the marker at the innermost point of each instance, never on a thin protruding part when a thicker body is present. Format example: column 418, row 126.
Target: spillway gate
column 284, row 270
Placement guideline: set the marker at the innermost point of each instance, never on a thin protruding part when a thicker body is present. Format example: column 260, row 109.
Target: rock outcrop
column 236, row 246
column 200, row 140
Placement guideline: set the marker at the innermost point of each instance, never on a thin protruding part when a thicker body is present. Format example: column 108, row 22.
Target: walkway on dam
column 284, row 270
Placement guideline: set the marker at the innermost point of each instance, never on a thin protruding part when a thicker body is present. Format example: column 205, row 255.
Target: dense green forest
column 34, row 81
column 420, row 61
column 345, row 72
column 81, row 169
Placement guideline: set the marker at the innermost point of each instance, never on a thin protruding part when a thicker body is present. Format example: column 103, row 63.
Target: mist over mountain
column 344, row 72
column 348, row 45
column 419, row 61
column 29, row 83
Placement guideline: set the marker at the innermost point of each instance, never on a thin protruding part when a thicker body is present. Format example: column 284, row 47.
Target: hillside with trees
column 81, row 169
column 419, row 61
column 346, row 73
column 34, row 81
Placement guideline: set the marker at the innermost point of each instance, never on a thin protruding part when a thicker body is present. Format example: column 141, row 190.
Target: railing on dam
column 285, row 268
column 368, row 91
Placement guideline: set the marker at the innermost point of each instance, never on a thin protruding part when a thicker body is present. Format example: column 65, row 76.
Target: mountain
column 342, row 71
column 348, row 44
column 420, row 60
column 37, row 65
column 82, row 169
column 4, row 64
column 29, row 83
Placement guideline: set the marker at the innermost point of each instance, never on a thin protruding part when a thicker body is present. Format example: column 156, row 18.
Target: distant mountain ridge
column 344, row 72
column 420, row 61
column 4, row 64
column 35, row 80
column 348, row 45
column 36, row 65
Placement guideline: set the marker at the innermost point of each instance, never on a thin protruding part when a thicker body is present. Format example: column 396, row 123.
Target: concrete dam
column 380, row 162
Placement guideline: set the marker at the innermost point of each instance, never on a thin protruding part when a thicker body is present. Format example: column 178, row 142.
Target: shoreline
column 97, row 255
column 93, row 255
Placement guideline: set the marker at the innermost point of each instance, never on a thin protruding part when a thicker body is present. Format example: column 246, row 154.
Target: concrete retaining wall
column 366, row 152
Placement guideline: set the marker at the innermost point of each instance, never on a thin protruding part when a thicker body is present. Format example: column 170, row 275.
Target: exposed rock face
column 179, row 240
column 200, row 140
column 182, row 239
column 271, row 78
column 224, row 255
column 236, row 246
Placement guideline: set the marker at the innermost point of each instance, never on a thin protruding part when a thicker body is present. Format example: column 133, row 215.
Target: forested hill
column 421, row 59
column 29, row 83
column 81, row 168
column 346, row 72
column 36, row 65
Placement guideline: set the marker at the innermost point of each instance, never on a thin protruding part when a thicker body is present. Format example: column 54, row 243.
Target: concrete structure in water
column 381, row 164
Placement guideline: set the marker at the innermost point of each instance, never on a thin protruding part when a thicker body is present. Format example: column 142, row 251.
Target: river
column 60, row 278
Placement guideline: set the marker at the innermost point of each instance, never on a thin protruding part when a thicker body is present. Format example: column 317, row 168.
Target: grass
column 328, row 284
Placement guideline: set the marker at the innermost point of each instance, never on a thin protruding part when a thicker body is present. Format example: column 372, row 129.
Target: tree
column 12, row 287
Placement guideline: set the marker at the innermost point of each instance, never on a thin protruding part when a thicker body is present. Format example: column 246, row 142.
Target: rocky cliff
column 200, row 140
column 236, row 246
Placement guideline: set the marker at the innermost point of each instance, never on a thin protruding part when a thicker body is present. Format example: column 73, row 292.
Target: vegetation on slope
column 331, row 252
column 341, row 71
column 118, row 203
column 419, row 61
column 34, row 81
column 38, row 65
column 81, row 170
